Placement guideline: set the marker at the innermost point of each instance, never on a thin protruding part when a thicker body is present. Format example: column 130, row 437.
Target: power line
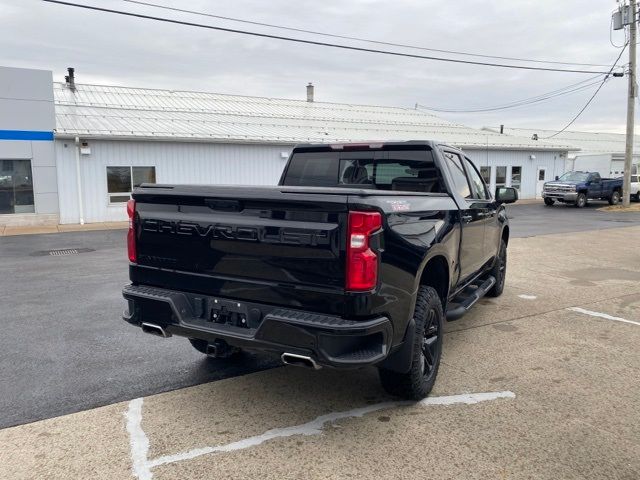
column 359, row 39
column 569, row 89
column 592, row 96
column 317, row 43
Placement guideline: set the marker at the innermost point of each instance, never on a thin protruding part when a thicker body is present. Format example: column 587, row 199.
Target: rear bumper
column 329, row 340
column 561, row 196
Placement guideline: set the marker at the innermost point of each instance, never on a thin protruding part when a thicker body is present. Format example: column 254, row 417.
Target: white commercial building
column 593, row 151
column 108, row 139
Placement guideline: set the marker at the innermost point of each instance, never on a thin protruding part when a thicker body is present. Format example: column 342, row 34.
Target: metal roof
column 589, row 143
column 101, row 111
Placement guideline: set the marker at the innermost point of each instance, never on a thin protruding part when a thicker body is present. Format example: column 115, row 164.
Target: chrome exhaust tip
column 299, row 361
column 153, row 329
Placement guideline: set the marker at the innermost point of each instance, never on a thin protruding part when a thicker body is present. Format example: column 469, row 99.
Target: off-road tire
column 581, row 200
column 549, row 201
column 419, row 380
column 499, row 271
column 614, row 199
column 636, row 197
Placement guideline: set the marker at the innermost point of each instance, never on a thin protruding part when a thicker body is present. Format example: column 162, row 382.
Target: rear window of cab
column 399, row 170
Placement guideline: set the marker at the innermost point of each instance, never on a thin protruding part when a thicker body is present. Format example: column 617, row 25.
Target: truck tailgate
column 240, row 240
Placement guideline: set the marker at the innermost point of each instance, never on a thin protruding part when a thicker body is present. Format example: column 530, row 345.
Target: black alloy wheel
column 430, row 344
column 499, row 271
column 426, row 350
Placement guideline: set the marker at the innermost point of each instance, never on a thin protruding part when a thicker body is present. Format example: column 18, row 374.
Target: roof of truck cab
column 106, row 111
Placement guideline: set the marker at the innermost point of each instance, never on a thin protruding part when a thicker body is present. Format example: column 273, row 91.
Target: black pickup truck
column 356, row 258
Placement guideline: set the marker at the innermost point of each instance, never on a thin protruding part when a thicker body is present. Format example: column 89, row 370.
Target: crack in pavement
column 139, row 442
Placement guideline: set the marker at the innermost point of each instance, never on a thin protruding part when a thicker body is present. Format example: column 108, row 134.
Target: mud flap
column 400, row 360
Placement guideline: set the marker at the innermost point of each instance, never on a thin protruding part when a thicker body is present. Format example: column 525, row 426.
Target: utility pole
column 631, row 106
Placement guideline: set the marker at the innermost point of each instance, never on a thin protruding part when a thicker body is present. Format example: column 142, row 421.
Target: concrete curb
column 7, row 231
column 528, row 201
column 634, row 207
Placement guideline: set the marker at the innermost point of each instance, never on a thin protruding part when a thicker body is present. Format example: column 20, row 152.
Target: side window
column 457, row 173
column 477, row 185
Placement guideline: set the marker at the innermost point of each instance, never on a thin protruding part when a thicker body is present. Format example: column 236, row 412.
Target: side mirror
column 557, row 177
column 506, row 195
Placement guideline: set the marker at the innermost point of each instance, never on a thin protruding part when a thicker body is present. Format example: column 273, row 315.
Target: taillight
column 131, row 234
column 362, row 262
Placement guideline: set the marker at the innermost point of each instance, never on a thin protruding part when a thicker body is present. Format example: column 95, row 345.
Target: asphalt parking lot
column 540, row 383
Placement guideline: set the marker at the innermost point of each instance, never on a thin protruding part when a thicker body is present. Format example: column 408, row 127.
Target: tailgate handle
column 223, row 205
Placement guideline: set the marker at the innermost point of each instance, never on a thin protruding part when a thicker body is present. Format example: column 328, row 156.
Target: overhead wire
column 569, row 89
column 318, row 43
column 582, row 110
column 348, row 37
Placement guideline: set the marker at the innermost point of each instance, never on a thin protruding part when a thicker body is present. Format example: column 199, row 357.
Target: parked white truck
column 635, row 185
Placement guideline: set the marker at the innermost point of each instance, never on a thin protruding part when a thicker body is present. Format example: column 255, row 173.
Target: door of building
column 540, row 179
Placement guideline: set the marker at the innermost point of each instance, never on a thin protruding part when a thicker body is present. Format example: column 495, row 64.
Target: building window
column 16, row 187
column 516, row 177
column 485, row 172
column 501, row 177
column 122, row 180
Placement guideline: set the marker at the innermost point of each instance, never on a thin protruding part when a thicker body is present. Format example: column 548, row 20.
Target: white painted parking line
column 602, row 315
column 528, row 297
column 140, row 443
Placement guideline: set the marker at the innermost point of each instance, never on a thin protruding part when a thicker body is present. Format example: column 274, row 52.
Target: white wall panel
column 188, row 163
column 207, row 163
column 503, row 158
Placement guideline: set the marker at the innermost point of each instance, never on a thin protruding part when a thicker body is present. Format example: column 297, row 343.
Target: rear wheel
column 636, row 197
column 581, row 200
column 427, row 350
column 499, row 271
column 549, row 201
column 614, row 199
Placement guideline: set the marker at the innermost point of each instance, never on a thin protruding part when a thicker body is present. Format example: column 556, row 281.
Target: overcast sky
column 110, row 49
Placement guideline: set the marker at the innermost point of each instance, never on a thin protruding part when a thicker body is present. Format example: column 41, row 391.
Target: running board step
column 464, row 301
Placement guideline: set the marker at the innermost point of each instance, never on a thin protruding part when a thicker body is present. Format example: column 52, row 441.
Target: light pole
column 631, row 106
